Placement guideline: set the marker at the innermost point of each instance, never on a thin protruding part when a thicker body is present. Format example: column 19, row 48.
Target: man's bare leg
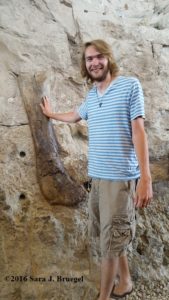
column 109, row 268
column 125, row 282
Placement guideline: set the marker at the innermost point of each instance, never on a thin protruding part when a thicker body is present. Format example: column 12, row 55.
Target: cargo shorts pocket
column 121, row 234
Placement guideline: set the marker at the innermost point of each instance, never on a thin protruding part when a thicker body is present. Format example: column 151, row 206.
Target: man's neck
column 102, row 85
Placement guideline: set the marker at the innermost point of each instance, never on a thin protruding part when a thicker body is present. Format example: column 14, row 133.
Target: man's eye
column 88, row 58
column 100, row 56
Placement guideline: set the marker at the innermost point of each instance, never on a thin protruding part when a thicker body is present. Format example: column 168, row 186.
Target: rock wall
column 42, row 242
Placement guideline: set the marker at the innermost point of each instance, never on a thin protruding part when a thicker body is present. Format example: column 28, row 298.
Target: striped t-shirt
column 111, row 151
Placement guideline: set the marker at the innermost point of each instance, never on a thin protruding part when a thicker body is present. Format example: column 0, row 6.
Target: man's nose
column 95, row 61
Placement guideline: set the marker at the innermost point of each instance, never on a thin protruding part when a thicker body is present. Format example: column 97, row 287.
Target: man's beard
column 101, row 77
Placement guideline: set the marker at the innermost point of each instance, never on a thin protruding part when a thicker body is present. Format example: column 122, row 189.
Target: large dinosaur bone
column 55, row 183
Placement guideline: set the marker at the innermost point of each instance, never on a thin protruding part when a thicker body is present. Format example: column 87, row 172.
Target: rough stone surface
column 41, row 240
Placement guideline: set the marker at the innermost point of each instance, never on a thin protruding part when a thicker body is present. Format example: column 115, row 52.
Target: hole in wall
column 87, row 185
column 22, row 153
column 22, row 196
column 139, row 250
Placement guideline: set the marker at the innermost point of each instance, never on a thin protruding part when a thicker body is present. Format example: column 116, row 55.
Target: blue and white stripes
column 111, row 150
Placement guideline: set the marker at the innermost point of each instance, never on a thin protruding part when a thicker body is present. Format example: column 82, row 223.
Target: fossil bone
column 55, row 183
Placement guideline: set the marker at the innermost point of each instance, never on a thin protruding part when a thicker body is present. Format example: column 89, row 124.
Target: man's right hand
column 46, row 107
column 69, row 117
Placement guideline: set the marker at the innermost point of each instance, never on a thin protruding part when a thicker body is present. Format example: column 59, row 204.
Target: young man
column 118, row 157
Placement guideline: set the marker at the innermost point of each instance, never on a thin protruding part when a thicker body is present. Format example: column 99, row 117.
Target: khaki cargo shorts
column 112, row 216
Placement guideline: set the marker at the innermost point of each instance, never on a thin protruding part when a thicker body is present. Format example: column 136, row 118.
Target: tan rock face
column 39, row 240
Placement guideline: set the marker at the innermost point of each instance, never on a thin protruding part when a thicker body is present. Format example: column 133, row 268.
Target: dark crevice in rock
column 66, row 3
column 87, row 185
column 71, row 39
column 75, row 43
column 157, row 26
column 158, row 71
column 161, row 9
column 9, row 126
column 140, row 250
column 152, row 49
column 44, row 9
column 49, row 10
column 14, row 73
column 79, row 37
column 74, row 48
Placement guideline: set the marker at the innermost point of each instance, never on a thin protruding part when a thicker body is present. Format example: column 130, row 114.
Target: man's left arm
column 144, row 192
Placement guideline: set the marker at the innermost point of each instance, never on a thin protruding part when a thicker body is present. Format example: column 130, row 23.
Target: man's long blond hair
column 103, row 48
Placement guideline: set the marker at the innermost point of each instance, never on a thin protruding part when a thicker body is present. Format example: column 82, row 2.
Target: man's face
column 96, row 64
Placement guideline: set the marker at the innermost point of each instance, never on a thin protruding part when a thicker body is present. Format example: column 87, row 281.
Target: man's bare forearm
column 141, row 148
column 144, row 191
column 69, row 117
column 140, row 142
